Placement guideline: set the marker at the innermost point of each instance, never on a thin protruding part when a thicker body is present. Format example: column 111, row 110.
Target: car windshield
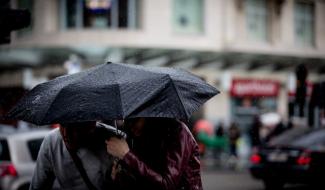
column 314, row 138
column 4, row 150
column 287, row 137
column 34, row 146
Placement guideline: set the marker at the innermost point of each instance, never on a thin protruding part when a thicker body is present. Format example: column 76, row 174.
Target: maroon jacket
column 165, row 157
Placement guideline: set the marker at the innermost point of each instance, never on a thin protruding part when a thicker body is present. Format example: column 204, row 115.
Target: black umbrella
column 114, row 91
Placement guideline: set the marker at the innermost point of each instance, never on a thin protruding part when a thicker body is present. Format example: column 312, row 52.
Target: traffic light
column 301, row 90
column 11, row 19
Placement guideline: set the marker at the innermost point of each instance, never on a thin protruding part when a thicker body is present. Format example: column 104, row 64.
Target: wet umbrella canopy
column 114, row 91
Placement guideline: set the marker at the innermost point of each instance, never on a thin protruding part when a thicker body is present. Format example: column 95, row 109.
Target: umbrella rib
column 48, row 108
column 54, row 99
column 180, row 99
column 120, row 100
column 119, row 93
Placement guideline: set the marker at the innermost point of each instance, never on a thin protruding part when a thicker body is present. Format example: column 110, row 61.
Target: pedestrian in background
column 220, row 145
column 254, row 132
column 234, row 135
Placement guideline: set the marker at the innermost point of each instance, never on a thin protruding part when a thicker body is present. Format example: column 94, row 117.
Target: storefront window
column 251, row 97
column 304, row 23
column 100, row 13
column 71, row 13
column 256, row 19
column 29, row 5
column 97, row 14
column 188, row 16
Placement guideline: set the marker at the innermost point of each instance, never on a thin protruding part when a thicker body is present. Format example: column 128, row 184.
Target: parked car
column 18, row 153
column 299, row 160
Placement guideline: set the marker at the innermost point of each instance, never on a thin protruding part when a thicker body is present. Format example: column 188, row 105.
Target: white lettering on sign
column 254, row 88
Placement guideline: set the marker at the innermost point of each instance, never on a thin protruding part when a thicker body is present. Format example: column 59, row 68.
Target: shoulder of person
column 53, row 134
column 52, row 138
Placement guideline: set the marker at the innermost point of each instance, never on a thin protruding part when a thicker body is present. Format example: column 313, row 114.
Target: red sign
column 254, row 88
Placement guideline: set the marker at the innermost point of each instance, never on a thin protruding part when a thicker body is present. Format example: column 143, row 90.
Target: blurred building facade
column 246, row 48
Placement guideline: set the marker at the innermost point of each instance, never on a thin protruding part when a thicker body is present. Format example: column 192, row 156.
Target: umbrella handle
column 111, row 129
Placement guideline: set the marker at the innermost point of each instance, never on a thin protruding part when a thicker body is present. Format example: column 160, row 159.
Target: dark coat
column 165, row 157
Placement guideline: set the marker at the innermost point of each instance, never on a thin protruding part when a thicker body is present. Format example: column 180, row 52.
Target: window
column 29, row 5
column 71, row 13
column 100, row 13
column 4, row 151
column 34, row 147
column 304, row 23
column 256, row 19
column 188, row 16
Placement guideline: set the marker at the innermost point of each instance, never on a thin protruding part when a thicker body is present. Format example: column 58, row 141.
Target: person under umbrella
column 114, row 91
column 67, row 149
column 160, row 153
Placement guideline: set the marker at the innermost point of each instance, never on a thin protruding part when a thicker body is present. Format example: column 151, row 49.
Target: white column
column 79, row 14
column 287, row 23
column 282, row 102
column 63, row 14
column 46, row 16
column 132, row 13
column 114, row 15
column 320, row 25
column 229, row 21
